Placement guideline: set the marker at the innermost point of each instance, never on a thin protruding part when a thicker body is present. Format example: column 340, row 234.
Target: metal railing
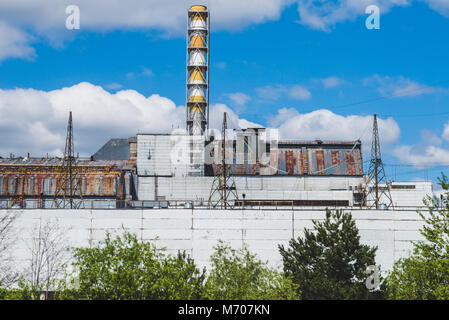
column 111, row 204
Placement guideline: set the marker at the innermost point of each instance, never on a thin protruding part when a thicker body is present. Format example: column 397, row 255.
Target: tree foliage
column 425, row 274
column 8, row 275
column 239, row 274
column 329, row 262
column 126, row 268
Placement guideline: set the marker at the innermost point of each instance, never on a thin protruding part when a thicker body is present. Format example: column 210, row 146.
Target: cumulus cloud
column 442, row 6
column 114, row 86
column 233, row 120
column 296, row 92
column 14, row 43
column 431, row 150
column 35, row 121
column 46, row 19
column 238, row 98
column 445, row 135
column 332, row 82
column 326, row 125
column 169, row 15
column 324, row 15
column 400, row 86
column 299, row 93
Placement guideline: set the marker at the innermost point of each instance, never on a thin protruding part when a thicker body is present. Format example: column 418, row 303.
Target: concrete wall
column 254, row 187
column 197, row 231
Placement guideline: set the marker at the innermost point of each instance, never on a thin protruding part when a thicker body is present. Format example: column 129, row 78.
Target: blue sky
column 272, row 60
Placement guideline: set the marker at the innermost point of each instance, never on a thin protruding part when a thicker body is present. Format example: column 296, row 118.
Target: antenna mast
column 223, row 185
column 376, row 175
column 67, row 191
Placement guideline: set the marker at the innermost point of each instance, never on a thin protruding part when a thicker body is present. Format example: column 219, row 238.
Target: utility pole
column 376, row 174
column 223, row 185
column 67, row 191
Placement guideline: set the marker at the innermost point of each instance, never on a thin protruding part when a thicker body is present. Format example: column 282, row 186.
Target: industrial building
column 182, row 169
column 175, row 167
column 33, row 182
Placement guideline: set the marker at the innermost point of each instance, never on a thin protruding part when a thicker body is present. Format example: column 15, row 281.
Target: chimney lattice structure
column 378, row 187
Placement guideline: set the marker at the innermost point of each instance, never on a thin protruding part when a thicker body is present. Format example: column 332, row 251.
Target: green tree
column 329, row 262
column 126, row 268
column 425, row 274
column 238, row 274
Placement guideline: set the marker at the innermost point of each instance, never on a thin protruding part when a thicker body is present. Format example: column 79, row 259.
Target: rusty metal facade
column 37, row 177
column 296, row 158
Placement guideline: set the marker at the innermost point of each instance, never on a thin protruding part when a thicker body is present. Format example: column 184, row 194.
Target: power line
column 415, row 115
column 402, row 93
column 419, row 165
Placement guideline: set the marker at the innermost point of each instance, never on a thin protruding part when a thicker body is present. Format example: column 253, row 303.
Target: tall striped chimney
column 198, row 27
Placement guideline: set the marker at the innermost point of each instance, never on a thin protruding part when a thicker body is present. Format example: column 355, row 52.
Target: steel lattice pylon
column 376, row 175
column 67, row 190
column 223, row 193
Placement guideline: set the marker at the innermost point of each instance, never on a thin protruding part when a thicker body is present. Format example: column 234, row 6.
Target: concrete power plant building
column 286, row 173
column 282, row 185
column 178, row 170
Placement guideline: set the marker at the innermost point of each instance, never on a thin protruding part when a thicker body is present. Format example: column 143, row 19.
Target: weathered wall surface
column 197, row 231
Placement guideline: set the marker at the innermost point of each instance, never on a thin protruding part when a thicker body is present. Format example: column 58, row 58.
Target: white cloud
column 169, row 15
column 46, row 19
column 114, row 86
column 326, row 125
column 400, row 86
column 324, row 15
column 233, row 120
column 283, row 115
column 238, row 98
column 445, row 135
column 221, row 65
column 429, row 151
column 299, row 93
column 442, row 6
column 332, row 82
column 35, row 121
column 296, row 92
column 144, row 72
column 14, row 43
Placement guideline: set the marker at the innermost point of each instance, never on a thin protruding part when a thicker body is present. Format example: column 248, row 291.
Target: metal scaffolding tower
column 223, row 193
column 197, row 91
column 68, row 185
column 376, row 175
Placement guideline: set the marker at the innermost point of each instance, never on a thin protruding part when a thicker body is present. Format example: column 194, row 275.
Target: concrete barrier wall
column 198, row 231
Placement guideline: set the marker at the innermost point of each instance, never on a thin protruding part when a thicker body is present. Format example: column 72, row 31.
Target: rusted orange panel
column 335, row 154
column 358, row 161
column 290, row 161
column 320, row 162
column 350, row 165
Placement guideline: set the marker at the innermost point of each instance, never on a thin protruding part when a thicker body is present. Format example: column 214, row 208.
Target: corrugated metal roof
column 114, row 149
column 35, row 176
column 305, row 158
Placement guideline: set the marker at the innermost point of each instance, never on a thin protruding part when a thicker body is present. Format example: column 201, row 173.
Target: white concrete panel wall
column 198, row 231
column 273, row 188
